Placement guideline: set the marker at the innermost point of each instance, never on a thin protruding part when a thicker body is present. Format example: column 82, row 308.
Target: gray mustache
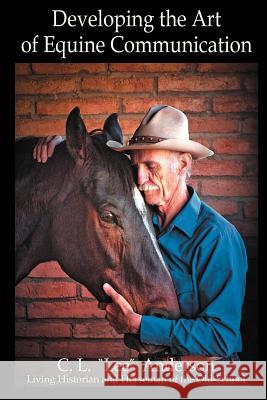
column 146, row 186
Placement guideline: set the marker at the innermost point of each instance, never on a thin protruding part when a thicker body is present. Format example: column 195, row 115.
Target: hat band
column 146, row 139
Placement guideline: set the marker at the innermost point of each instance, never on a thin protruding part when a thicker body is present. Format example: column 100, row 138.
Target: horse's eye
column 108, row 217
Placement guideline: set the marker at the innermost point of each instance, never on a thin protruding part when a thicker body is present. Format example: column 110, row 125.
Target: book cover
column 204, row 62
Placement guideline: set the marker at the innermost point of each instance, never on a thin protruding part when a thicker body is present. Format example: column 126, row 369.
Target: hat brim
column 197, row 150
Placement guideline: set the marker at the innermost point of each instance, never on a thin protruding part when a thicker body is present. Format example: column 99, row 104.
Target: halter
column 93, row 132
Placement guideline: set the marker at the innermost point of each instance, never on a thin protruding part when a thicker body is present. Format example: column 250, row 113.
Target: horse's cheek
column 115, row 245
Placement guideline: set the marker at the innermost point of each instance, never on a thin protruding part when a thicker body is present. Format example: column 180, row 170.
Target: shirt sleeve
column 220, row 271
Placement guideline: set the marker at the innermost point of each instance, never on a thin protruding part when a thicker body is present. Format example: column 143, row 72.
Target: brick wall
column 57, row 317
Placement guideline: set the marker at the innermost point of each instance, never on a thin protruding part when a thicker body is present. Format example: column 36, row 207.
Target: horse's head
column 102, row 228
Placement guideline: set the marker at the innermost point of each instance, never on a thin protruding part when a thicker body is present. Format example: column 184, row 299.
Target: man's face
column 157, row 174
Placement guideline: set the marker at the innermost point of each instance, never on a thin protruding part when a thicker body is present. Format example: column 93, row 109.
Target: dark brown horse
column 82, row 208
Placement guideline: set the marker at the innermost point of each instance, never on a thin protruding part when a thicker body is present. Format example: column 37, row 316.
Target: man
column 204, row 252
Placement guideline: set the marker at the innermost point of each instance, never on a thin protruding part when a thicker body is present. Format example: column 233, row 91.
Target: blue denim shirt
column 207, row 260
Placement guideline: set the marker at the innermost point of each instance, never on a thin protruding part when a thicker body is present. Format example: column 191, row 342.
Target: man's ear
column 76, row 135
column 185, row 162
column 112, row 128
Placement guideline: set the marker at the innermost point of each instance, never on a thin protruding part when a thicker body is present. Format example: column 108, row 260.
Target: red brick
column 217, row 167
column 46, row 289
column 40, row 329
column 85, row 349
column 129, row 125
column 94, row 123
column 251, row 83
column 246, row 227
column 250, row 125
column 22, row 69
column 68, row 309
column 251, row 209
column 91, row 105
column 26, row 127
column 195, row 183
column 23, row 107
column 227, row 67
column 251, row 168
column 119, row 85
column 223, row 207
column 235, row 104
column 150, row 67
column 67, row 68
column 25, row 348
column 45, row 86
column 141, row 105
column 203, row 140
column 225, row 187
column 234, row 146
column 48, row 270
column 85, row 292
column 213, row 124
column 20, row 310
column 198, row 83
column 95, row 330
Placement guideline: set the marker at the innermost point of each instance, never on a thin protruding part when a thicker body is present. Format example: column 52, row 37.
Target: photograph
column 136, row 211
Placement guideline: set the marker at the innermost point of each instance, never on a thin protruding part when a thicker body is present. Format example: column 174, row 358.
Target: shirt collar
column 186, row 219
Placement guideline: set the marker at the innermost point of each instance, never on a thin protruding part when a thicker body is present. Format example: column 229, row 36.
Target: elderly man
column 204, row 252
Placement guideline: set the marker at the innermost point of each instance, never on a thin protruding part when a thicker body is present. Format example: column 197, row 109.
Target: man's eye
column 108, row 217
column 152, row 167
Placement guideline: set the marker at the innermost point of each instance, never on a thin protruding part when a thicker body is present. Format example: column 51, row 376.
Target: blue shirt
column 207, row 260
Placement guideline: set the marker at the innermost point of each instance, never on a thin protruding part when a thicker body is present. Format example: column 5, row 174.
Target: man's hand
column 120, row 314
column 45, row 147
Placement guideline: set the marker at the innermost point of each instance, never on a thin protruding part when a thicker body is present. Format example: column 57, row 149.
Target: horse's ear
column 76, row 134
column 112, row 128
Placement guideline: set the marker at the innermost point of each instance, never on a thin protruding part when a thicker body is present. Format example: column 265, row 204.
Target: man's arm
column 45, row 147
column 221, row 275
column 221, row 269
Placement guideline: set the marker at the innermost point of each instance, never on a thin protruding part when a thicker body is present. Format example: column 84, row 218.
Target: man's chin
column 152, row 197
column 133, row 342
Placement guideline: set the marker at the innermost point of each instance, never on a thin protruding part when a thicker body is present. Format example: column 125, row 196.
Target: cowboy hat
column 163, row 128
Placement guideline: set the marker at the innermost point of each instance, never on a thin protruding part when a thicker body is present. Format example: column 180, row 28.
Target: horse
column 83, row 209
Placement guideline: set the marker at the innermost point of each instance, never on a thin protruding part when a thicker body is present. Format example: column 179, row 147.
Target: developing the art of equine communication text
column 120, row 45
column 122, row 27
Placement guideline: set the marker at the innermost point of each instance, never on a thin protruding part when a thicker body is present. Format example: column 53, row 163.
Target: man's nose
column 142, row 175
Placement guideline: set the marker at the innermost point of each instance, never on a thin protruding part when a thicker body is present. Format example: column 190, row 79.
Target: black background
column 23, row 22
column 238, row 24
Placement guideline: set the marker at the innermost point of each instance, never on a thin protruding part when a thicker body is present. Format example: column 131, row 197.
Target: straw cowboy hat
column 163, row 128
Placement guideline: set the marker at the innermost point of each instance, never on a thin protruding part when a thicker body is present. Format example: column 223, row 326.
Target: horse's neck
column 36, row 186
